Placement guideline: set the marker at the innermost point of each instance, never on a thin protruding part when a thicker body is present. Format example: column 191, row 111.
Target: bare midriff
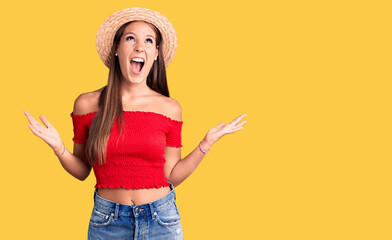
column 133, row 196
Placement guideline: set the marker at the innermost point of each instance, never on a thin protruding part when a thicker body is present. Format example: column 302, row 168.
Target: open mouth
column 137, row 66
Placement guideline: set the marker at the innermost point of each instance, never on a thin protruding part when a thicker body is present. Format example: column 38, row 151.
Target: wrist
column 59, row 150
column 205, row 144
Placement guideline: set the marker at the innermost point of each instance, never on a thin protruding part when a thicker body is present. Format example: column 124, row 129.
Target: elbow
column 83, row 176
column 174, row 182
column 80, row 178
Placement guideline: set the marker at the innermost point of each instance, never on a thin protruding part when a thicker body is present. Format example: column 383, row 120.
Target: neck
column 134, row 90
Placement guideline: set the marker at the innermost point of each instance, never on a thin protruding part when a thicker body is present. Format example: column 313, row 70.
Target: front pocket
column 168, row 215
column 100, row 218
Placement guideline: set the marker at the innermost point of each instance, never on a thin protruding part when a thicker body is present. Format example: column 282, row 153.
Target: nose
column 139, row 48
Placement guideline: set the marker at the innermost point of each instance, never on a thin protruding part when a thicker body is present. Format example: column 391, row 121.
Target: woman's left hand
column 214, row 134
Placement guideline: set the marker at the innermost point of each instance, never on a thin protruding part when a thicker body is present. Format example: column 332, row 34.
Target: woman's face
column 138, row 40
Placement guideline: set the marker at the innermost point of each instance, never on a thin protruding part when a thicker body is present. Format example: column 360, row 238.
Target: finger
column 29, row 117
column 35, row 131
column 220, row 125
column 238, row 126
column 237, row 119
column 241, row 123
column 45, row 121
column 32, row 120
column 34, row 128
column 33, row 123
column 232, row 130
column 235, row 129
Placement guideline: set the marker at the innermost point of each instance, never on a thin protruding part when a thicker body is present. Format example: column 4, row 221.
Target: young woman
column 129, row 132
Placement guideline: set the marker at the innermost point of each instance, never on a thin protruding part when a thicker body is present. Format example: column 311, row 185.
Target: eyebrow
column 135, row 34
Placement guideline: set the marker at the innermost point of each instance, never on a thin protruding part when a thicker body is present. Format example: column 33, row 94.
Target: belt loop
column 174, row 192
column 171, row 185
column 152, row 210
column 116, row 211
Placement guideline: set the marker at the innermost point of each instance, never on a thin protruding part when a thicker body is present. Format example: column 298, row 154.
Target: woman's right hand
column 49, row 134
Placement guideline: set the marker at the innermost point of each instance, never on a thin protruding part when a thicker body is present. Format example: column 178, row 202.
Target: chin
column 136, row 79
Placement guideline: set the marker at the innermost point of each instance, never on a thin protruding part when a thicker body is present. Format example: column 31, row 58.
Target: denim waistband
column 135, row 210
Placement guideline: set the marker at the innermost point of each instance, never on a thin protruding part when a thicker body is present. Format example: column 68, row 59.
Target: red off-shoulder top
column 137, row 160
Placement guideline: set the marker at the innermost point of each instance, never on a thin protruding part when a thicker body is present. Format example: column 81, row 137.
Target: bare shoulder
column 172, row 109
column 86, row 102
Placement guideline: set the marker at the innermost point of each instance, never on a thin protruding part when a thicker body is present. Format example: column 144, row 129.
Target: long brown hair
column 110, row 102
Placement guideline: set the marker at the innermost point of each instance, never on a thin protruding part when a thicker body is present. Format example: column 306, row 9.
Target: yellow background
column 313, row 160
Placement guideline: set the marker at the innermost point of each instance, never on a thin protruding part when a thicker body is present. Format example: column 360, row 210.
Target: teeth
column 138, row 59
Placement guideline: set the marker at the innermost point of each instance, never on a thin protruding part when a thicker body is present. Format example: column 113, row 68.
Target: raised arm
column 177, row 169
column 74, row 163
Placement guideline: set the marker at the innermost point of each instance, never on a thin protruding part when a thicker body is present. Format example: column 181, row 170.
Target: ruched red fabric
column 137, row 159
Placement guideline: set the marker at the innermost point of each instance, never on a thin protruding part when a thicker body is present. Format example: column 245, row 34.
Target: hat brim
column 109, row 27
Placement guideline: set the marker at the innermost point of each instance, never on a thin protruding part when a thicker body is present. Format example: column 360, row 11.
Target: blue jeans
column 151, row 221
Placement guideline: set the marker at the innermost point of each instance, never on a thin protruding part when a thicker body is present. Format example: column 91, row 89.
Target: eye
column 150, row 40
column 128, row 37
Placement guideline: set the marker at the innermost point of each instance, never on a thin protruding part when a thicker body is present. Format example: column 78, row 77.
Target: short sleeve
column 81, row 125
column 173, row 136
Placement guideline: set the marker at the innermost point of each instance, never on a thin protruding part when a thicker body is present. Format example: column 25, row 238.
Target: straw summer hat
column 109, row 27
